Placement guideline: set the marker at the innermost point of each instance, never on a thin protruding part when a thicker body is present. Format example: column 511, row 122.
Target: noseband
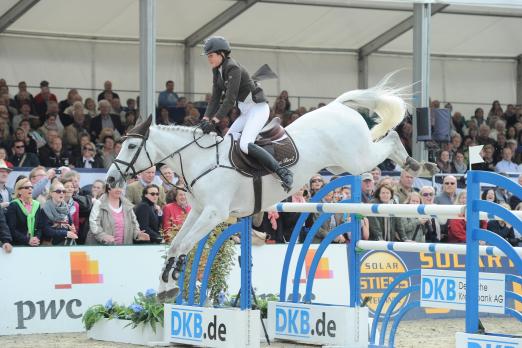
column 130, row 165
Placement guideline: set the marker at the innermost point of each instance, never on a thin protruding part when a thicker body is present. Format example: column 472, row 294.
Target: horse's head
column 134, row 157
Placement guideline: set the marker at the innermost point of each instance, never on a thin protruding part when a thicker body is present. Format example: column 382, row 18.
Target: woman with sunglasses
column 434, row 233
column 24, row 215
column 73, row 208
column 89, row 157
column 58, row 226
column 149, row 213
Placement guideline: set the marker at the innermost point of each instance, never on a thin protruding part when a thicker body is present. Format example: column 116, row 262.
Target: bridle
column 143, row 145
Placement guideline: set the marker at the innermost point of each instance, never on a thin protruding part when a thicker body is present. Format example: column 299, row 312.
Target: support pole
column 421, row 69
column 147, row 59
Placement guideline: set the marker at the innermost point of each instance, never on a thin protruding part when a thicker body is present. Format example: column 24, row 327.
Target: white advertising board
column 447, row 289
column 465, row 340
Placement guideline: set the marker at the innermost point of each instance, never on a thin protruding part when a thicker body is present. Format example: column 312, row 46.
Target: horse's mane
column 142, row 128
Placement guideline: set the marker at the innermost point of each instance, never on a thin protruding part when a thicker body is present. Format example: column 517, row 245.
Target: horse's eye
column 132, row 146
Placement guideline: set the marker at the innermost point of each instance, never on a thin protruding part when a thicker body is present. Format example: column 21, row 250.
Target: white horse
column 335, row 137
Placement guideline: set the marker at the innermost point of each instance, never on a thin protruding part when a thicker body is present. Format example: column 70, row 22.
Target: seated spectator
column 5, row 134
column 164, row 118
column 29, row 142
column 289, row 220
column 5, row 234
column 73, row 208
column 90, row 158
column 489, row 195
column 20, row 158
column 117, row 109
column 385, row 228
column 168, row 178
column 58, row 157
column 376, row 173
column 77, row 150
column 134, row 190
column 25, row 114
column 514, row 200
column 58, row 227
column 415, row 228
column 42, row 98
column 106, row 120
column 3, row 157
column 76, row 105
column 107, row 93
column 24, row 216
column 503, row 229
column 457, row 227
column 176, row 211
column 53, row 110
column 168, row 98
column 90, row 106
column 79, row 126
column 328, row 225
column 31, row 133
column 149, row 213
column 131, row 117
column 489, row 161
column 6, row 192
column 444, row 163
column 459, row 164
column 113, row 222
column 449, row 191
column 316, row 183
column 69, row 101
column 23, row 95
column 506, row 165
column 107, row 151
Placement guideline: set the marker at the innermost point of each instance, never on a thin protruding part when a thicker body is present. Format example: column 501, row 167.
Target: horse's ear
column 151, row 120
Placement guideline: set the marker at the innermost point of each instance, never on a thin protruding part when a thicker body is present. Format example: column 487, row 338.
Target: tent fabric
column 78, row 43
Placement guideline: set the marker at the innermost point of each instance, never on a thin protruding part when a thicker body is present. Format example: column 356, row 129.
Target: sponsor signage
column 212, row 327
column 465, row 340
column 318, row 324
column 447, row 289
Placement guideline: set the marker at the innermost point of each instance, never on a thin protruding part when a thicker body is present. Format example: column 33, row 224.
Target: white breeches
column 252, row 119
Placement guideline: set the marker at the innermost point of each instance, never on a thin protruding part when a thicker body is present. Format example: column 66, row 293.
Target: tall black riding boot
column 265, row 158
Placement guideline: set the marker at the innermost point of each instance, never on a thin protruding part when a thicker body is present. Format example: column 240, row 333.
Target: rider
column 232, row 85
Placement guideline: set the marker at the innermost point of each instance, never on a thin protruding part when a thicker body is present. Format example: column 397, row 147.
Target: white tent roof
column 332, row 25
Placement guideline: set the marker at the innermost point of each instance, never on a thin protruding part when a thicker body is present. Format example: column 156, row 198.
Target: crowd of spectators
column 48, row 207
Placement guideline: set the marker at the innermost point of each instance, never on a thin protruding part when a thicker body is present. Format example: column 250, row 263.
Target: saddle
column 272, row 138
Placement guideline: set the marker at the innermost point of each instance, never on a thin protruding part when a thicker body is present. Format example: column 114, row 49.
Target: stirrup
column 180, row 263
column 166, row 270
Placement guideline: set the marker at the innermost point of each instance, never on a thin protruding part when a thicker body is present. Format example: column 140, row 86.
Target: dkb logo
column 296, row 321
column 189, row 325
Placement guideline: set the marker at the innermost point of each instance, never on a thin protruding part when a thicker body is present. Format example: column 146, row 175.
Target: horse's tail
column 383, row 100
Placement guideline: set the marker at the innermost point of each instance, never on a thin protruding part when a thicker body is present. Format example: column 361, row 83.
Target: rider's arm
column 214, row 100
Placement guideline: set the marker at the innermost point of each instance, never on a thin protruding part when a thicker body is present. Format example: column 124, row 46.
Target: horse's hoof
column 431, row 168
column 180, row 263
column 412, row 164
column 167, row 268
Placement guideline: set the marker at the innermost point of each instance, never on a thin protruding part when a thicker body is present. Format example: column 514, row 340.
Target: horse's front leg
column 190, row 234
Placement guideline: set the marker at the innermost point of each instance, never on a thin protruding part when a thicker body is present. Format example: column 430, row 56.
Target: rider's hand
column 207, row 126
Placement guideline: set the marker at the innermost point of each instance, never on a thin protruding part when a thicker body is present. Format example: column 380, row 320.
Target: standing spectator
column 23, row 216
column 20, row 158
column 73, row 208
column 58, row 157
column 57, row 224
column 97, row 189
column 449, row 191
column 316, row 183
column 176, row 211
column 367, row 186
column 168, row 178
column 415, row 228
column 5, row 234
column 433, row 231
column 23, row 95
column 89, row 158
column 108, row 93
column 478, row 117
column 496, row 109
column 134, row 190
column 106, row 120
column 149, row 213
column 284, row 96
column 5, row 191
column 40, row 180
column 385, row 228
column 113, row 222
column 84, row 204
column 168, row 98
column 42, row 98
column 376, row 173
column 506, row 165
column 459, row 123
column 404, row 187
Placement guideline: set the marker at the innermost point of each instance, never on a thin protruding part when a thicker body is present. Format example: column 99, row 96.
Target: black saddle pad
column 283, row 150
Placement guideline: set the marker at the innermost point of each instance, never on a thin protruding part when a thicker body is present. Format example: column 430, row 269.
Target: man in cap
column 367, row 187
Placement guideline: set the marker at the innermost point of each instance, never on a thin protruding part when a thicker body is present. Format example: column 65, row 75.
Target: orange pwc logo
column 323, row 269
column 83, row 270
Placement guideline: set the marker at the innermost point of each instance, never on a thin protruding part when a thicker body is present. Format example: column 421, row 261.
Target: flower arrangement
column 146, row 309
column 217, row 283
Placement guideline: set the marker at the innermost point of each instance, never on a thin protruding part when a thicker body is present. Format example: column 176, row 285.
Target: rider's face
column 214, row 59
